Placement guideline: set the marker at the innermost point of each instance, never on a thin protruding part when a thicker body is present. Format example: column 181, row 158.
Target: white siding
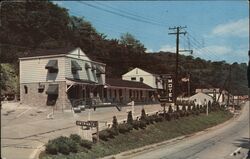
column 200, row 98
column 33, row 70
column 84, row 74
column 148, row 78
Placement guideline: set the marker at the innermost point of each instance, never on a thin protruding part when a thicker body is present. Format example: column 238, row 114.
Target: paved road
column 24, row 129
column 217, row 143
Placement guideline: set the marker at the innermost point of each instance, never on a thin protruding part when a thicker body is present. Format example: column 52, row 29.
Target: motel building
column 65, row 78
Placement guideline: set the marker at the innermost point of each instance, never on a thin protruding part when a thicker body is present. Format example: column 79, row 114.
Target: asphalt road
column 216, row 143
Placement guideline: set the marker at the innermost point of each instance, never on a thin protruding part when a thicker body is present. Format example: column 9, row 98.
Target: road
column 216, row 143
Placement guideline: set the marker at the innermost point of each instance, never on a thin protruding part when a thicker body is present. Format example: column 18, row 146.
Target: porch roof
column 112, row 82
column 80, row 81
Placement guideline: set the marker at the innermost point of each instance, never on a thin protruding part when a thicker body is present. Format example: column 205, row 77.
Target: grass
column 153, row 133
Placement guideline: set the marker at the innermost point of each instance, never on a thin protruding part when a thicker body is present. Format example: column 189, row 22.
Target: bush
column 142, row 124
column 51, row 148
column 123, row 128
column 143, row 115
column 112, row 132
column 158, row 118
column 104, row 135
column 136, row 124
column 130, row 118
column 114, row 123
column 85, row 143
column 75, row 137
column 169, row 116
column 62, row 145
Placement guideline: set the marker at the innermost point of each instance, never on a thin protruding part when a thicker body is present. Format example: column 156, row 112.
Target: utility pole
column 177, row 33
column 229, row 86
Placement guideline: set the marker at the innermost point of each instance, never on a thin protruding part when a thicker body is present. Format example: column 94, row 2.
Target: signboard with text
column 87, row 123
column 168, row 86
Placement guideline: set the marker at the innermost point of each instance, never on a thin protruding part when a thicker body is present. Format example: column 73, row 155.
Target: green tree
column 143, row 115
column 130, row 41
column 115, row 123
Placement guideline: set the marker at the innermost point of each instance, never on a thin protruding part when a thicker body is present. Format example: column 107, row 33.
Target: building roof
column 47, row 52
column 115, row 82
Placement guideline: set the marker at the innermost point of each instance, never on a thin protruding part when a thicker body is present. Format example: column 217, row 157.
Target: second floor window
column 133, row 78
column 52, row 66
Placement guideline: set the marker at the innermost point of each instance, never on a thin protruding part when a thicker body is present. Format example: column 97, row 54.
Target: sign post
column 89, row 124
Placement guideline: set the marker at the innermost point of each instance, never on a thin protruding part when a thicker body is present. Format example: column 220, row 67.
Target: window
column 133, row 78
column 130, row 93
column 75, row 67
column 141, row 79
column 25, row 89
column 52, row 66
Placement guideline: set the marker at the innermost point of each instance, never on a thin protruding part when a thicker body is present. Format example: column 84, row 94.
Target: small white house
column 201, row 98
column 140, row 75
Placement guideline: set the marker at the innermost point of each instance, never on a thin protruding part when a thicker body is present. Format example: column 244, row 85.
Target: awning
column 87, row 66
column 99, row 70
column 52, row 64
column 52, row 89
column 75, row 66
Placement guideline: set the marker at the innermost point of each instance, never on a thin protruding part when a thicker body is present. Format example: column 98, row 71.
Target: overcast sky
column 217, row 30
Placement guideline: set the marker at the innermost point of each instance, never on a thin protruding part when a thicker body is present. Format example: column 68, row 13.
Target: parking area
column 26, row 129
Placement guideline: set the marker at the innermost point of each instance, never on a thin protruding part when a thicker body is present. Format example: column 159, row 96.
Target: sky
column 216, row 30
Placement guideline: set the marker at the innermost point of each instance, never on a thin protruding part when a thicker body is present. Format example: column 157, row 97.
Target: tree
column 130, row 118
column 130, row 41
column 143, row 115
column 115, row 123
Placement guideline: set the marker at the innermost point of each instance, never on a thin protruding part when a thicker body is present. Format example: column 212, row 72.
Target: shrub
column 142, row 124
column 51, row 148
column 114, row 123
column 184, row 108
column 159, row 119
column 75, row 137
column 136, row 124
column 113, row 132
column 143, row 115
column 85, row 143
column 151, row 119
column 103, row 135
column 123, row 128
column 170, row 109
column 130, row 118
column 169, row 116
column 62, row 145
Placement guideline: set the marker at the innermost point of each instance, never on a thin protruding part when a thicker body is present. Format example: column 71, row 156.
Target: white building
column 140, row 75
column 201, row 98
column 219, row 95
column 59, row 77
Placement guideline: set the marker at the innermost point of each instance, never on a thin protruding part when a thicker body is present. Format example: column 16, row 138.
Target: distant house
column 59, row 77
column 122, row 91
column 146, row 77
column 219, row 95
column 201, row 98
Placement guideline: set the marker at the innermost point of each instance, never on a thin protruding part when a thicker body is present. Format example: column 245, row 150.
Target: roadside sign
column 87, row 123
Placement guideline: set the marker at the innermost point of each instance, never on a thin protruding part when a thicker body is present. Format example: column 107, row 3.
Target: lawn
column 153, row 133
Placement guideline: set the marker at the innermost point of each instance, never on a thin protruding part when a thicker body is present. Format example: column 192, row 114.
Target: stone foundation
column 39, row 99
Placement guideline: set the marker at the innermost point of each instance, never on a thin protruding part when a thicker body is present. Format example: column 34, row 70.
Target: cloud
column 168, row 48
column 238, row 28
column 149, row 50
column 58, row 2
column 220, row 53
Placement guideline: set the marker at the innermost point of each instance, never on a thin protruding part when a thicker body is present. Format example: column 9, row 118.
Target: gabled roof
column 47, row 52
column 115, row 82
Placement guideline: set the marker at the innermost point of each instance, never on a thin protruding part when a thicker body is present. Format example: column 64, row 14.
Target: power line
column 121, row 15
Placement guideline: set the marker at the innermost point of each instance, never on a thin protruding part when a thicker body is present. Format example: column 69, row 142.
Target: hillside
column 26, row 27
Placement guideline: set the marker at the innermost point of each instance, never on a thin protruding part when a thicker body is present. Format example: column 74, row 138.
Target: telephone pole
column 177, row 33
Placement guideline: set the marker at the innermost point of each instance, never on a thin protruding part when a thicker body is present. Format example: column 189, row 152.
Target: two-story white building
column 147, row 77
column 59, row 77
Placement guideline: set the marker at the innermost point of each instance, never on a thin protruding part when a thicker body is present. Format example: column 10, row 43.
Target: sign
column 168, row 96
column 87, row 123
